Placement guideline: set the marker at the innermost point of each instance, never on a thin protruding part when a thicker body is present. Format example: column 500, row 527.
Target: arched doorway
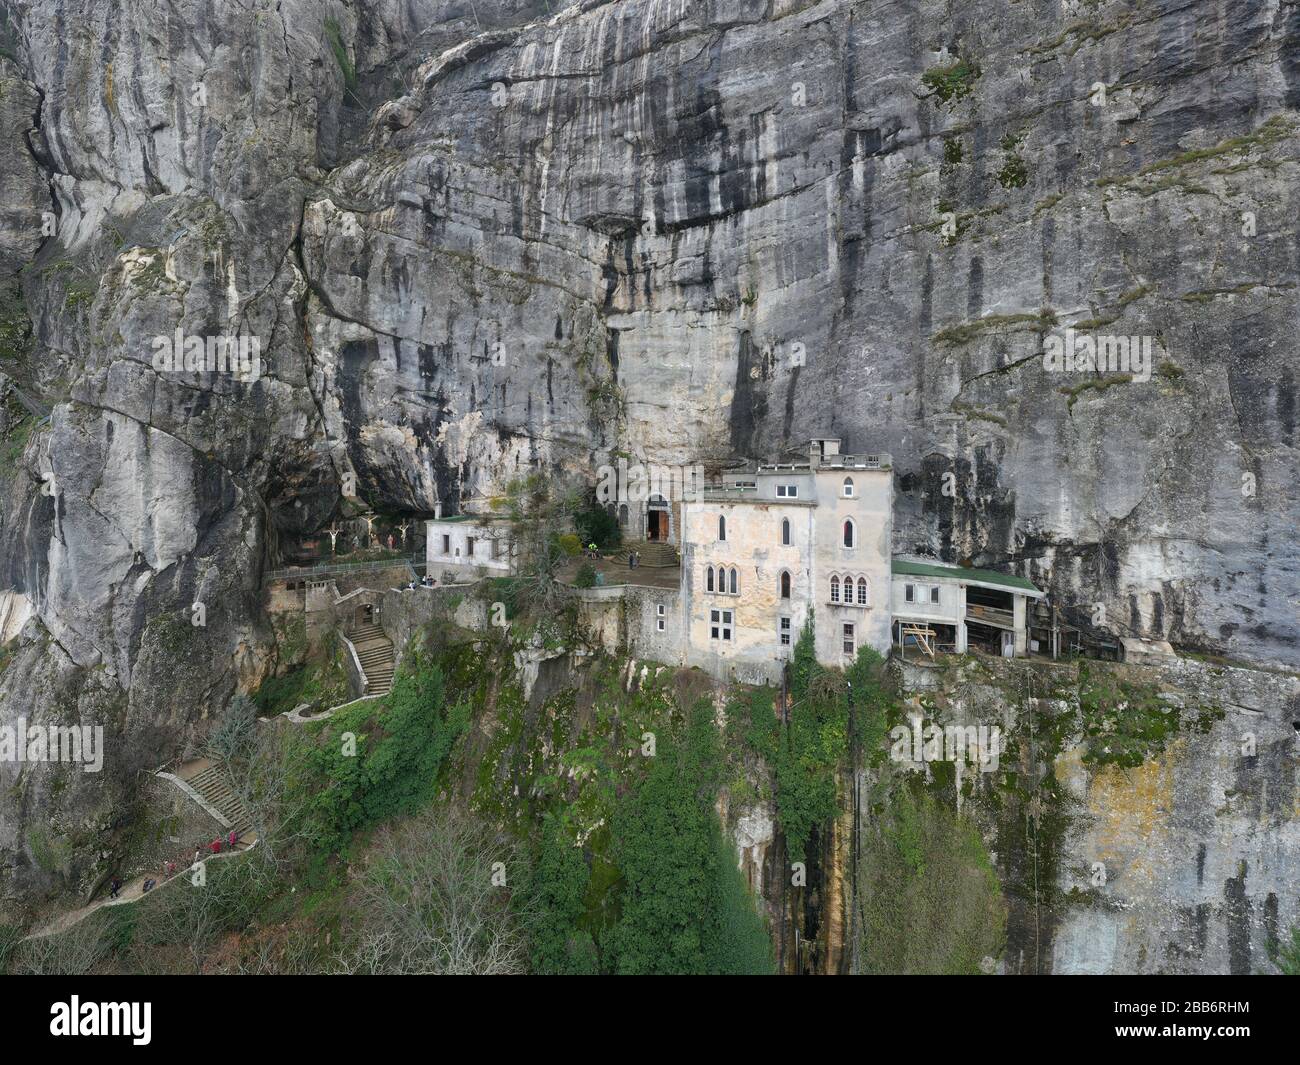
column 658, row 520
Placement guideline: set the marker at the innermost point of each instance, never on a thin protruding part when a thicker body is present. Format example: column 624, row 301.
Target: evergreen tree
column 555, row 901
column 685, row 909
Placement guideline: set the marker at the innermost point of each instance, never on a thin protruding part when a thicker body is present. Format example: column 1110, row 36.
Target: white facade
column 467, row 547
column 927, row 594
column 781, row 530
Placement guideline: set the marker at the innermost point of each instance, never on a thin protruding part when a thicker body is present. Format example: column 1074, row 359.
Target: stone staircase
column 653, row 554
column 211, row 784
column 375, row 650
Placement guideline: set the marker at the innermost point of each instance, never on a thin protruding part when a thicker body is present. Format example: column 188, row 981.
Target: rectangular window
column 934, row 593
column 446, row 544
column 659, row 620
column 784, row 630
column 469, row 546
column 659, row 624
column 849, row 642
column 787, row 491
column 720, row 624
column 909, row 593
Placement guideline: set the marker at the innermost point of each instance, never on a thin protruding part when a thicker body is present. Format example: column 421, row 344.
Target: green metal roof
column 983, row 576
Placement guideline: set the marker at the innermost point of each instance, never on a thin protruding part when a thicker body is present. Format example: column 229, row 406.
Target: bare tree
column 540, row 510
column 194, row 910
column 254, row 763
column 74, row 952
column 435, row 902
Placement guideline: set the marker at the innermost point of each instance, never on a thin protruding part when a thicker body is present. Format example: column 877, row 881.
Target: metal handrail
column 330, row 568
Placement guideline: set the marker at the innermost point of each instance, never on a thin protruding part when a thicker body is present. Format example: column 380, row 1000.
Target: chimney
column 437, row 511
column 815, row 454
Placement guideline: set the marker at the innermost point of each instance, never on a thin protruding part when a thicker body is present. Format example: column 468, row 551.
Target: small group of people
column 633, row 559
column 591, row 551
column 230, row 841
column 425, row 582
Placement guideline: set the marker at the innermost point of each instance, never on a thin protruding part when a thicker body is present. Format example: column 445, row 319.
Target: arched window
column 835, row 589
column 848, row 487
column 708, row 579
column 622, row 514
column 785, row 584
column 862, row 591
column 850, row 534
column 722, row 527
column 735, row 582
column 785, row 532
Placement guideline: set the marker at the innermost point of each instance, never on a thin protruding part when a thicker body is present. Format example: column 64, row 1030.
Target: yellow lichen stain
column 1129, row 811
column 108, row 89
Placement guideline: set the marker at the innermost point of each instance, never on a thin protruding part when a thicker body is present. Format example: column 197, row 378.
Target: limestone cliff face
column 474, row 239
column 1184, row 862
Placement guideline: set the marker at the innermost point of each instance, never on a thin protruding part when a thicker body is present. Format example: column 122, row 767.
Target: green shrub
column 391, row 764
column 684, row 908
column 929, row 898
column 596, row 526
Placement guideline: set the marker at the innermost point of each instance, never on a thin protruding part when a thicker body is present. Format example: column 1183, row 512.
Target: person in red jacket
column 232, row 839
column 215, row 846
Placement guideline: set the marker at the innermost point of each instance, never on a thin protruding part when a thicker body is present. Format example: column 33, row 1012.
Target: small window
column 735, row 582
column 934, row 593
column 469, row 546
column 722, row 527
column 785, row 532
column 720, row 624
column 708, row 579
column 862, row 591
column 787, row 491
column 784, row 630
column 446, row 544
column 659, row 609
column 850, row 642
column 785, row 584
column 850, row 532
column 909, row 593
column 835, row 589
column 848, row 487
